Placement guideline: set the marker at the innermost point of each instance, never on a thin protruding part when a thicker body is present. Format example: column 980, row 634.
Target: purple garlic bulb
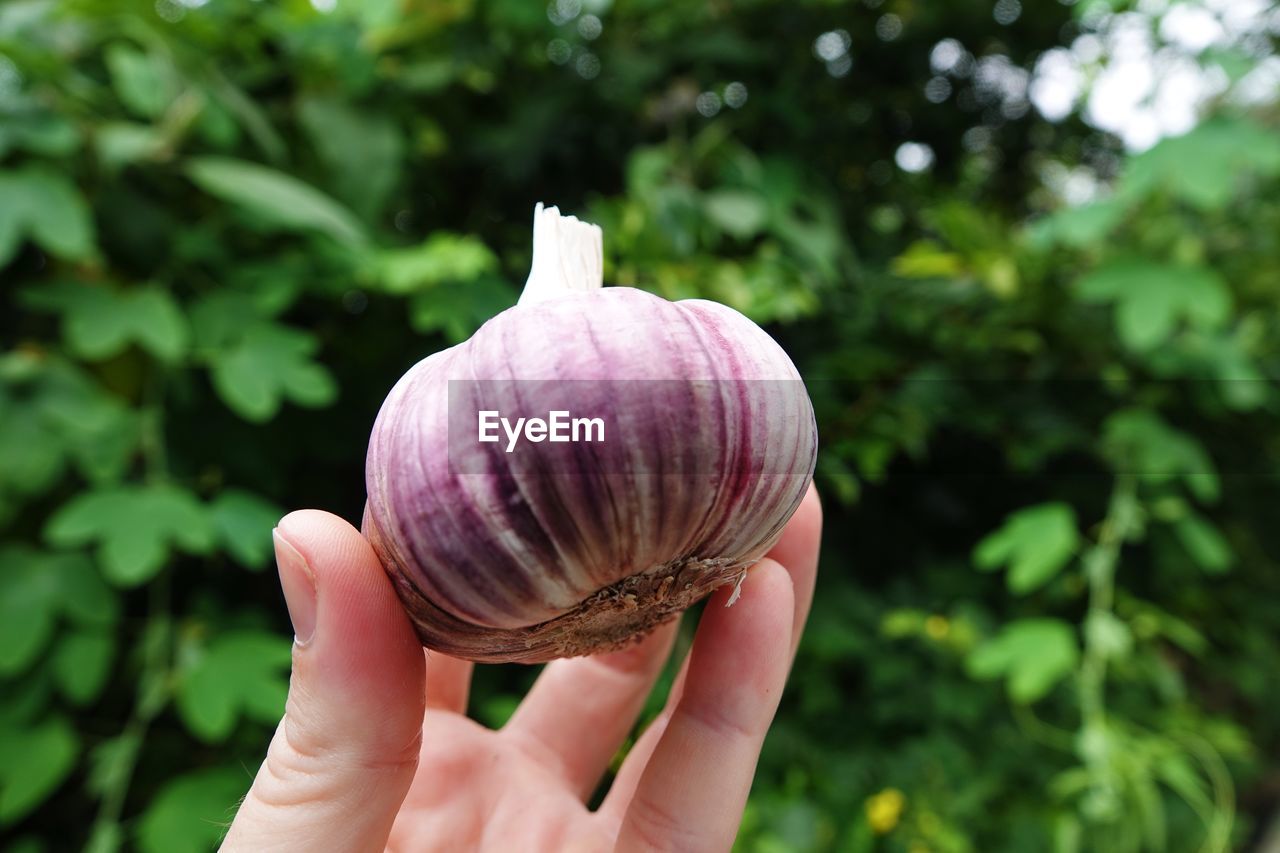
column 589, row 464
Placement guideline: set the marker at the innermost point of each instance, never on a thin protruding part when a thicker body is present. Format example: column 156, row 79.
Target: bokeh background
column 1027, row 255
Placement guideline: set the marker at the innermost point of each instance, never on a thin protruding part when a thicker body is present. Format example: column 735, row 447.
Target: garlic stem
column 568, row 255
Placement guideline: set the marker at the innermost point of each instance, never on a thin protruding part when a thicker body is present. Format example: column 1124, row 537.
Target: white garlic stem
column 568, row 255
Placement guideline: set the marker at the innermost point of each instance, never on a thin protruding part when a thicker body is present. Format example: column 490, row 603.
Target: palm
column 476, row 789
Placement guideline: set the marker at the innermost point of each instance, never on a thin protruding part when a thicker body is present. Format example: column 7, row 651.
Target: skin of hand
column 376, row 752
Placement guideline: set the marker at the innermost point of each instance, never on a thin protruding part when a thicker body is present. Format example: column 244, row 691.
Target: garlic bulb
column 512, row 545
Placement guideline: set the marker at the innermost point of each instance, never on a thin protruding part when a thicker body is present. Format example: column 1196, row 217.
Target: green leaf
column 36, row 761
column 1031, row 654
column 158, row 324
column 81, row 663
column 1035, row 543
column 144, row 83
column 443, row 257
column 58, row 218
column 240, row 673
column 215, row 124
column 39, row 132
column 738, row 213
column 459, row 308
column 278, row 199
column 1078, row 227
column 1206, row 167
column 840, row 477
column 63, row 413
column 119, row 144
column 32, row 457
column 135, row 528
column 36, row 588
column 1176, row 771
column 244, row 522
column 926, row 259
column 1138, row 442
column 248, row 114
column 1204, row 543
column 268, row 364
column 1158, row 622
column 102, row 451
column 100, row 322
column 191, row 813
column 431, row 75
column 1149, row 805
column 1150, row 298
column 220, row 319
column 27, row 615
column 336, row 130
column 46, row 207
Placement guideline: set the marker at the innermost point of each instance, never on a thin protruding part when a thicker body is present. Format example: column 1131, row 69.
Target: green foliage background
column 1049, row 611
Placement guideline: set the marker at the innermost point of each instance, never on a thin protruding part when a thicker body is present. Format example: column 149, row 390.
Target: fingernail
column 299, row 585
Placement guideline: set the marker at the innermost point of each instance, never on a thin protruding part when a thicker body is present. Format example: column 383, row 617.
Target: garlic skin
column 584, row 548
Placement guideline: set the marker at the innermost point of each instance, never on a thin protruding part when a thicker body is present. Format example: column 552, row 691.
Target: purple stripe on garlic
column 571, row 548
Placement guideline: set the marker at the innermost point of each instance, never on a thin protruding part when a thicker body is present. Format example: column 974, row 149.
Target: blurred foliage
column 1049, row 612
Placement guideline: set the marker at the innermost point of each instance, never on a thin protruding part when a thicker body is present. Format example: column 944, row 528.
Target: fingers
column 627, row 779
column 345, row 752
column 581, row 743
column 692, row 792
column 448, row 682
column 580, row 710
column 797, row 551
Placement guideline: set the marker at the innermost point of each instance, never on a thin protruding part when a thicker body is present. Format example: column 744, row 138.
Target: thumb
column 345, row 753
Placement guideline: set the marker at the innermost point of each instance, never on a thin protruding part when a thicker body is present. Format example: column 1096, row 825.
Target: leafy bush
column 1049, row 612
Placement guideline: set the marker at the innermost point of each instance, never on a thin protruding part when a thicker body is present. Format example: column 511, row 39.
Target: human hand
column 375, row 751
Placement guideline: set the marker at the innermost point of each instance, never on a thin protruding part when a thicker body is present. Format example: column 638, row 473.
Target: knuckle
column 720, row 721
column 651, row 825
column 301, row 768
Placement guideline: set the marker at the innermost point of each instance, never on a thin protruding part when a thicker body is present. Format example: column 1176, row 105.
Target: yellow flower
column 937, row 627
column 884, row 810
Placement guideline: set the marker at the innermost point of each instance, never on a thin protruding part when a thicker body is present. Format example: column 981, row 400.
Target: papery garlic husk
column 568, row 549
